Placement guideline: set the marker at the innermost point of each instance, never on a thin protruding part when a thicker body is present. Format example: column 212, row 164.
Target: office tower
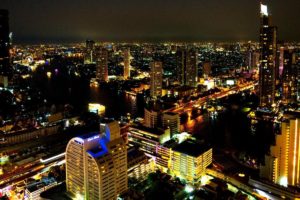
column 289, row 77
column 206, row 69
column 282, row 165
column 4, row 43
column 171, row 120
column 187, row 69
column 268, row 51
column 102, row 65
column 96, row 164
column 156, row 79
column 90, row 51
column 191, row 71
column 151, row 117
column 126, row 64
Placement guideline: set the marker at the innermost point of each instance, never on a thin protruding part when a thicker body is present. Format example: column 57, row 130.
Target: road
column 187, row 107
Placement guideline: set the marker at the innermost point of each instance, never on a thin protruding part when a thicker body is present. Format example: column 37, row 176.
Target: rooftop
column 88, row 135
column 37, row 185
column 192, row 147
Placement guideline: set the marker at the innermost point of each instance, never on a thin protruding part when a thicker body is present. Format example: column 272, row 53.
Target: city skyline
column 154, row 21
column 107, row 120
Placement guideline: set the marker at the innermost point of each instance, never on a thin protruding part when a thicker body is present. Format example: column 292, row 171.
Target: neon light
column 93, row 138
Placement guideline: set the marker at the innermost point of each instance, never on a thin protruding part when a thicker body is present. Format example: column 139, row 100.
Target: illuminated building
column 147, row 139
column 187, row 69
column 90, row 50
column 289, row 77
column 96, row 165
column 4, row 42
column 282, row 165
column 190, row 159
column 268, row 51
column 33, row 191
column 252, row 59
column 139, row 165
column 151, row 117
column 102, row 65
column 97, row 108
column 126, row 64
column 156, row 79
column 171, row 120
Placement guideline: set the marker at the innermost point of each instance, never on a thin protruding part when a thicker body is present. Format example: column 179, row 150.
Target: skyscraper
column 90, row 51
column 187, row 69
column 156, row 79
column 268, row 51
column 96, row 164
column 289, row 77
column 4, row 42
column 126, row 64
column 282, row 165
column 102, row 65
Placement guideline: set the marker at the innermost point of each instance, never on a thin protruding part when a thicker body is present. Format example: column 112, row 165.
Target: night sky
column 41, row 21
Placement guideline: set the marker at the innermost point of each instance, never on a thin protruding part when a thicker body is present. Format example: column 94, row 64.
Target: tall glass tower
column 268, row 47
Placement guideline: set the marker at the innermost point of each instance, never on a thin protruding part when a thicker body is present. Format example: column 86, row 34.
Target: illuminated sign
column 93, row 138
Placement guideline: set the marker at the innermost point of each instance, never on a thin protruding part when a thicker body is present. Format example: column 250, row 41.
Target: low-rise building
column 33, row 191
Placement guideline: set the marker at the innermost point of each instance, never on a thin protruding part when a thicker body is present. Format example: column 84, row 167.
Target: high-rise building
column 90, row 51
column 268, row 51
column 126, row 63
column 102, row 65
column 282, row 165
column 96, row 164
column 4, row 42
column 191, row 70
column 187, row 69
column 289, row 77
column 156, row 79
column 252, row 59
column 171, row 120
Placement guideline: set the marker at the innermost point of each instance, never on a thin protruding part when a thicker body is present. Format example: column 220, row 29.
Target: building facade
column 190, row 159
column 96, row 165
column 282, row 165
